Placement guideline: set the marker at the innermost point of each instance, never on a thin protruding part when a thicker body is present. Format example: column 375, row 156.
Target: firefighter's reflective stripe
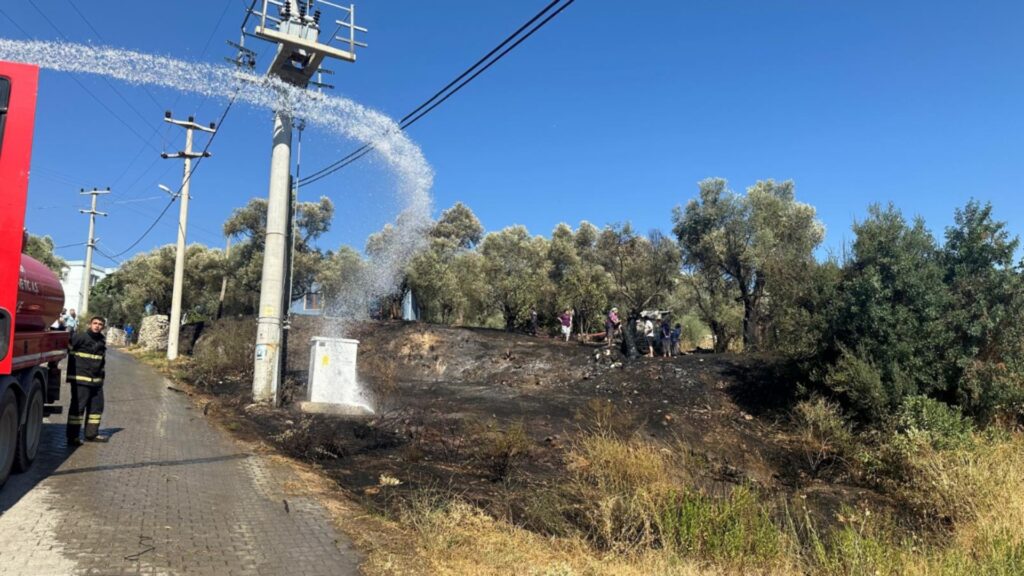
column 87, row 355
column 78, row 378
column 74, row 419
column 94, row 418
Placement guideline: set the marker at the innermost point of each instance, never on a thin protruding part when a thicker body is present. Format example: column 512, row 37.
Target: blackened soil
column 488, row 415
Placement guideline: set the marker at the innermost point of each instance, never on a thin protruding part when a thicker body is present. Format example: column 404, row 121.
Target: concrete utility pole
column 224, row 282
column 296, row 32
column 83, row 304
column 174, row 326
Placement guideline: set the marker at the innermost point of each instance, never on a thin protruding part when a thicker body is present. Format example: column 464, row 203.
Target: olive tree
column 761, row 243
column 515, row 267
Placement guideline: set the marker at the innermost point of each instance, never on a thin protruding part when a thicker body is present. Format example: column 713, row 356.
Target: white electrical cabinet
column 332, row 373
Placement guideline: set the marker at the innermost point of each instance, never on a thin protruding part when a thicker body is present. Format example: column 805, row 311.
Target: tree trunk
column 752, row 316
column 510, row 319
column 722, row 337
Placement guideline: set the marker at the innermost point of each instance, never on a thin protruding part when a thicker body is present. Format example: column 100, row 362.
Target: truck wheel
column 8, row 433
column 31, row 432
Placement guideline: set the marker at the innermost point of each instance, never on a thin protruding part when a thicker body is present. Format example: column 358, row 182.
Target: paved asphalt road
column 169, row 494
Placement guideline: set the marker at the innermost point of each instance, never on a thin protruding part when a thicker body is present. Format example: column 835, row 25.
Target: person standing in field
column 649, row 336
column 565, row 319
column 677, row 334
column 666, row 338
column 611, row 325
column 86, row 370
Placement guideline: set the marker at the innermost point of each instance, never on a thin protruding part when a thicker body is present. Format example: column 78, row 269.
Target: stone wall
column 116, row 337
column 153, row 333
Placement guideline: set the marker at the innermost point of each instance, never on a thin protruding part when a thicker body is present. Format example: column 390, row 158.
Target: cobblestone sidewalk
column 169, row 494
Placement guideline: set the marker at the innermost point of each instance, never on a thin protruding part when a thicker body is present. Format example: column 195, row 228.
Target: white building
column 71, row 280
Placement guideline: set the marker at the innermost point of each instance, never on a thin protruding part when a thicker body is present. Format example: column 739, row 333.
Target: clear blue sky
column 613, row 112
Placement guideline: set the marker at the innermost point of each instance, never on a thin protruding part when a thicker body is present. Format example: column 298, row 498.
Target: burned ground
column 488, row 416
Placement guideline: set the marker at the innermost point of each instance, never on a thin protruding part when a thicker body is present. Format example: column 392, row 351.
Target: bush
column 859, row 384
column 951, row 477
column 942, row 426
column 988, row 390
column 825, row 436
column 223, row 356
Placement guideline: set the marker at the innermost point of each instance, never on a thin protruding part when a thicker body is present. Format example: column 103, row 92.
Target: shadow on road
column 159, row 463
column 53, row 451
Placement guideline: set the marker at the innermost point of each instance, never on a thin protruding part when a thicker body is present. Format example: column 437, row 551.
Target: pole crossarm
column 190, row 123
column 185, row 154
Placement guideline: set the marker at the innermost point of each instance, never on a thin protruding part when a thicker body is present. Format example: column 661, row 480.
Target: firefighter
column 86, row 362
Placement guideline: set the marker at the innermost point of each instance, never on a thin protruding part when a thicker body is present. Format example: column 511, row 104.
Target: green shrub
column 990, row 389
column 859, row 383
column 943, row 426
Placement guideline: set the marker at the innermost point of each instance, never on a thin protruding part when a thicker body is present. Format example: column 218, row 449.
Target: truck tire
column 8, row 433
column 32, row 432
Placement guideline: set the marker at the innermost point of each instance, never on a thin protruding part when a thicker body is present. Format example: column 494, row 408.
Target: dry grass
column 455, row 538
column 627, row 506
column 637, row 517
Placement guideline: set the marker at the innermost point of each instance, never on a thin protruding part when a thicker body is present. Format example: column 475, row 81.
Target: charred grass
column 619, row 486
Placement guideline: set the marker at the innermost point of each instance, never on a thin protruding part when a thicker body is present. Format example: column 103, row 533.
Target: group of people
column 68, row 320
column 661, row 335
column 656, row 330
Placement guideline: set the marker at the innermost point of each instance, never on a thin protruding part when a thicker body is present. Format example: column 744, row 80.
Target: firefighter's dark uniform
column 86, row 365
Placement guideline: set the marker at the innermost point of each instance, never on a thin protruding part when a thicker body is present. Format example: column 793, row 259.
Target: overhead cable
column 467, row 76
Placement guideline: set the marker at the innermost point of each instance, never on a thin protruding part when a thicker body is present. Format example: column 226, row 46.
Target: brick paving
column 169, row 494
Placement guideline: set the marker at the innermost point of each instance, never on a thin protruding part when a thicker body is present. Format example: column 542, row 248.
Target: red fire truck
column 31, row 296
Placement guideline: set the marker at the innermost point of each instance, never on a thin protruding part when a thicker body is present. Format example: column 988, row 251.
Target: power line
column 100, row 36
column 188, row 177
column 70, row 245
column 481, row 60
column 364, row 149
column 105, row 81
column 98, row 100
column 113, row 259
column 448, row 91
column 408, row 123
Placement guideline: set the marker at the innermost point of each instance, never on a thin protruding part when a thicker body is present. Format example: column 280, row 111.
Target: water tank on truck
column 40, row 296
